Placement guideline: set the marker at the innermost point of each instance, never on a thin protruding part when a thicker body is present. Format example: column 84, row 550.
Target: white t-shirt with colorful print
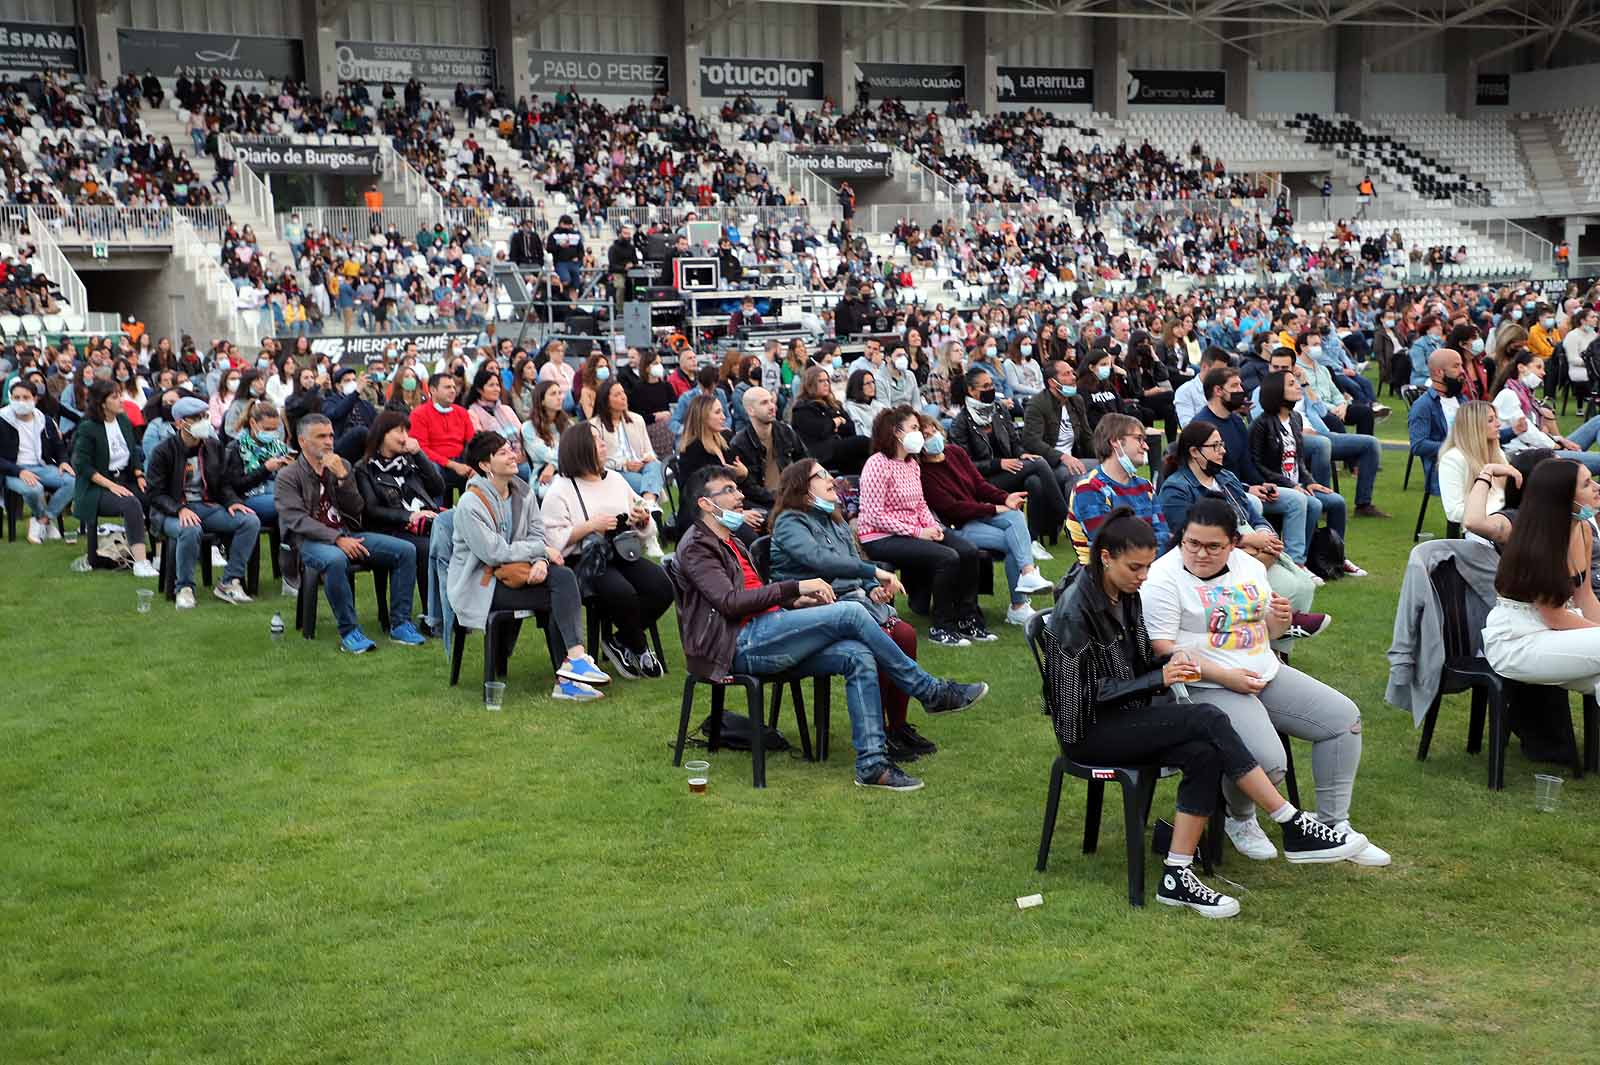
column 1223, row 619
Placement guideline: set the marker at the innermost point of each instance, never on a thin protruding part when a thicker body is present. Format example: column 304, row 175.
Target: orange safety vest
column 1562, row 251
column 374, row 199
column 1365, row 187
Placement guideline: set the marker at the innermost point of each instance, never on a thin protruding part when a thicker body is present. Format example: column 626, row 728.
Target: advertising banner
column 356, row 350
column 38, row 47
column 1045, row 85
column 1180, row 88
column 1494, row 90
column 846, row 161
column 441, row 66
column 273, row 155
column 204, row 55
column 763, row 79
column 610, row 73
column 913, row 81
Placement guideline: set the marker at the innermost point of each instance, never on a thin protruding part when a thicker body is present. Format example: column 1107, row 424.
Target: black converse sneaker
column 1305, row 839
column 1181, row 887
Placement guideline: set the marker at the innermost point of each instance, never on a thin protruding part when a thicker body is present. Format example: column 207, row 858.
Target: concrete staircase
column 164, row 122
column 1555, row 177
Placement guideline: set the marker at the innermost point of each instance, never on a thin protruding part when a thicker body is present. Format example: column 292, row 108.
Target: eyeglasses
column 1200, row 548
column 724, row 490
column 822, row 475
column 1214, row 444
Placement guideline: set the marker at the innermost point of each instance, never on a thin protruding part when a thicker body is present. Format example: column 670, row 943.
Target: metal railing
column 415, row 189
column 1519, row 241
column 52, row 262
column 923, row 181
column 212, row 281
column 255, row 192
column 673, row 215
column 358, row 224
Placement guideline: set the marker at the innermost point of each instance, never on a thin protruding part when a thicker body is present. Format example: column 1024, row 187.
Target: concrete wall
column 604, row 26
column 264, row 18
column 1282, row 92
column 1416, row 93
column 1562, row 89
column 464, row 22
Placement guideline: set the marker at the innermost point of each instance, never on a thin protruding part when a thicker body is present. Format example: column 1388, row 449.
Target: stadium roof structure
column 1500, row 25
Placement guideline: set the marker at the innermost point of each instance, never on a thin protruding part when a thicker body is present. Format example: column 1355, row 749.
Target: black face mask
column 1210, row 467
column 1453, row 386
column 1236, row 400
column 986, row 396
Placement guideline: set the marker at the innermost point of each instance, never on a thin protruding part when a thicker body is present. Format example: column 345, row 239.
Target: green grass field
column 220, row 850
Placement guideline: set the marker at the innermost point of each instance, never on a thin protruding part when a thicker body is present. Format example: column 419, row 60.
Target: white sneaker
column 1019, row 615
column 185, row 599
column 218, row 558
column 36, row 532
column 1249, row 840
column 231, row 592
column 1032, row 583
column 50, row 530
column 1040, row 554
column 1316, row 581
column 1374, row 855
column 146, row 570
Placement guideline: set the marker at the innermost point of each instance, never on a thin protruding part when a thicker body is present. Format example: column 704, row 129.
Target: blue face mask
column 269, row 436
column 838, row 361
column 934, row 445
column 823, row 506
column 1102, row 372
column 732, row 520
column 1127, row 463
column 602, row 373
column 1069, row 390
column 1583, row 514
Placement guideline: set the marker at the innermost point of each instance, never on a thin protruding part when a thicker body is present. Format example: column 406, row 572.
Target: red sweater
column 443, row 436
column 955, row 491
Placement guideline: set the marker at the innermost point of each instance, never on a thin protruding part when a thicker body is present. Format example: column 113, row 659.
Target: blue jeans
column 1357, row 388
column 51, row 480
column 242, row 530
column 264, row 505
column 1294, row 507
column 648, row 480
column 383, row 552
column 1006, row 532
column 569, row 271
column 840, row 638
column 1351, row 448
column 1586, row 434
column 1328, row 505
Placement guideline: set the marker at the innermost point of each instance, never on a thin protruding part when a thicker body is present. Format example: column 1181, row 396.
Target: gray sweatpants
column 1305, row 708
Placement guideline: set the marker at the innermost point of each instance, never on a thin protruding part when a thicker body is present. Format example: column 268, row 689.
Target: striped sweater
column 1096, row 496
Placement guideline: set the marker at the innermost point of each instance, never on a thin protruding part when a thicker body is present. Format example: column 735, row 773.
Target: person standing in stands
column 733, row 622
column 565, row 245
column 526, row 249
column 190, row 494
column 621, row 257
column 319, row 507
column 442, row 429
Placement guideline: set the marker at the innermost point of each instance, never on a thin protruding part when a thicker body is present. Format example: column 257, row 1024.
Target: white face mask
column 657, row 371
column 901, row 362
column 23, row 407
column 200, row 430
column 1530, row 380
column 349, row 387
column 912, row 442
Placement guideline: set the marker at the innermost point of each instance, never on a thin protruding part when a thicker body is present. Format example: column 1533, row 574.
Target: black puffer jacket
column 385, row 492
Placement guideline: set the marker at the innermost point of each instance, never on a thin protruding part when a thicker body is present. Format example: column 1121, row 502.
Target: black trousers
column 129, row 508
column 1047, row 504
column 558, row 594
column 1159, row 407
column 632, row 595
column 1195, row 737
column 1358, row 419
column 952, row 562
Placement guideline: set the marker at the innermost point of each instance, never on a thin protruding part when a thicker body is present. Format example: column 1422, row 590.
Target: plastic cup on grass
column 1546, row 792
column 494, row 695
column 699, row 774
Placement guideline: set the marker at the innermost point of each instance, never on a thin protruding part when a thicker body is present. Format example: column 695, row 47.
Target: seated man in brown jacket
column 733, row 622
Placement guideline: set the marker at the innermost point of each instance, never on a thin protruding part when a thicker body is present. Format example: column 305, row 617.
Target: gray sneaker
column 888, row 777
column 231, row 592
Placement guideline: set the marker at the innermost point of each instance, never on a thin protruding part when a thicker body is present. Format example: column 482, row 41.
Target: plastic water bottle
column 276, row 628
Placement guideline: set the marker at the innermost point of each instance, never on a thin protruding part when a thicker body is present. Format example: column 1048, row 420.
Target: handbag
column 510, row 574
column 882, row 613
column 596, row 550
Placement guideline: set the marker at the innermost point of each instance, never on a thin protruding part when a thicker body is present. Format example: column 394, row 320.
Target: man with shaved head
column 1431, row 416
column 766, row 447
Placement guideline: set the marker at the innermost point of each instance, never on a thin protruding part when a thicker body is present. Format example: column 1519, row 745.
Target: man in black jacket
column 1056, row 424
column 621, row 257
column 526, row 249
column 190, row 494
column 565, row 246
column 853, row 315
column 766, row 447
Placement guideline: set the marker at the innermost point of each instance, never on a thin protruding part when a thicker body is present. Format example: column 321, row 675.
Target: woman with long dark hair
column 1151, row 385
column 490, row 414
column 1277, row 444
column 811, row 538
column 109, row 467
column 401, row 488
column 1545, row 625
column 824, row 425
column 541, row 433
column 1111, row 701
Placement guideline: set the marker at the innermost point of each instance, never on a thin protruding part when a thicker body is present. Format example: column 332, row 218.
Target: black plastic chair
column 1138, row 789
column 252, row 574
column 1410, row 394
column 599, row 628
column 167, row 571
column 822, row 687
column 499, row 635
column 14, row 505
column 305, row 604
column 1465, row 669
column 752, row 686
